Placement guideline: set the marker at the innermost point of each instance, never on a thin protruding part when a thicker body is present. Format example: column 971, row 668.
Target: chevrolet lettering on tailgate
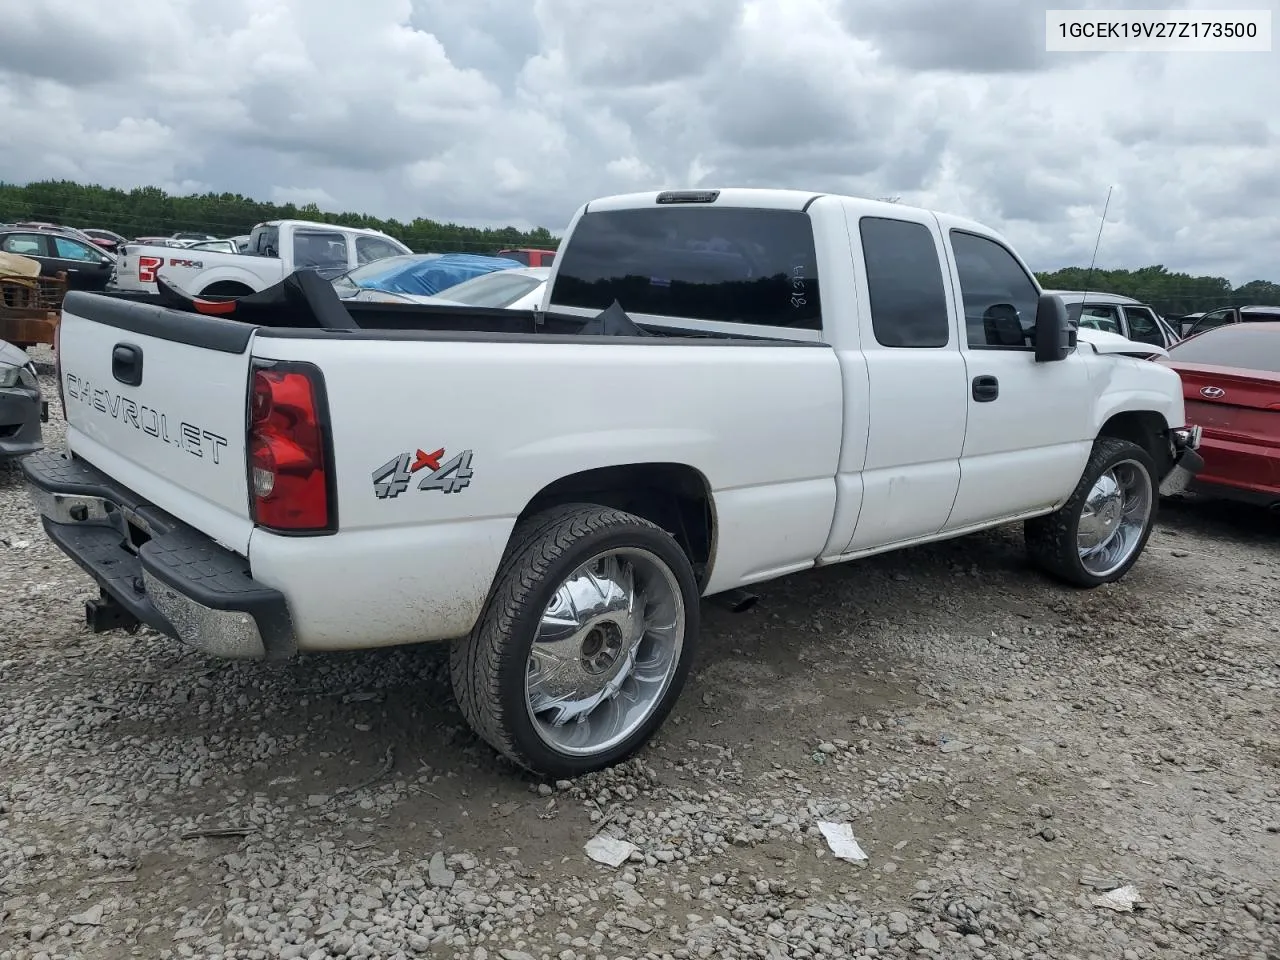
column 190, row 437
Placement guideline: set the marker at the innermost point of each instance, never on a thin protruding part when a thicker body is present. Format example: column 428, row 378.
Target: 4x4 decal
column 393, row 477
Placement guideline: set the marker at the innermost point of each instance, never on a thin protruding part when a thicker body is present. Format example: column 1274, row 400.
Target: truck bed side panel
column 762, row 423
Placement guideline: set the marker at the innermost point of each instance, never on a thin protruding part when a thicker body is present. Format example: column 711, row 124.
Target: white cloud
column 301, row 196
column 500, row 112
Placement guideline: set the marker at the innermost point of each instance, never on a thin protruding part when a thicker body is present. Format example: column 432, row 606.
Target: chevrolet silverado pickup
column 720, row 387
column 276, row 249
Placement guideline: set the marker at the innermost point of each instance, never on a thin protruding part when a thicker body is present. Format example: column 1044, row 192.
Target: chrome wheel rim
column 1114, row 518
column 606, row 650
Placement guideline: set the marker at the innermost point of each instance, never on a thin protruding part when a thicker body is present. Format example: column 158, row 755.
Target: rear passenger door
column 916, row 394
column 1029, row 428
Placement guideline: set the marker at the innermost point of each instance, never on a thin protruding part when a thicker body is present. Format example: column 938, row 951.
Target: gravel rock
column 158, row 804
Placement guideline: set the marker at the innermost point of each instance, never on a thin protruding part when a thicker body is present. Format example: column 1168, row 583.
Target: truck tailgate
column 162, row 412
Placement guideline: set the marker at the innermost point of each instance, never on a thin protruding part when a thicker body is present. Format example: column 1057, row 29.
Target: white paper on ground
column 1121, row 899
column 840, row 839
column 608, row 850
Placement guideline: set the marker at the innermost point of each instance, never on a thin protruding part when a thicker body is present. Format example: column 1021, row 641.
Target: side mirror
column 1054, row 334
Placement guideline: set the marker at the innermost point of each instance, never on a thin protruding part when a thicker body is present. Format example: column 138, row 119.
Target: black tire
column 1051, row 539
column 488, row 667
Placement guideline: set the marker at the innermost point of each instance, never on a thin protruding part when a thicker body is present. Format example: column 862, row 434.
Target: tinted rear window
column 727, row 264
column 1235, row 345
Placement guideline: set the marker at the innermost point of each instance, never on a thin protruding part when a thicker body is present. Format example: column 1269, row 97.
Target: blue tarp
column 429, row 273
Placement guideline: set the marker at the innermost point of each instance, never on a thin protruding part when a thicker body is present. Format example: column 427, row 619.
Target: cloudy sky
column 517, row 111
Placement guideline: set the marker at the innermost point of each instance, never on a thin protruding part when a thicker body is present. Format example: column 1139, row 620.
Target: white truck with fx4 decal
column 721, row 387
column 276, row 249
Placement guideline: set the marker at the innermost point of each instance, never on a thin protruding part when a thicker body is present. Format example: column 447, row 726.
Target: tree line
column 1171, row 294
column 150, row 211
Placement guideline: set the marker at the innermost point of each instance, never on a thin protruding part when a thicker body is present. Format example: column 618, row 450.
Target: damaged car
column 22, row 408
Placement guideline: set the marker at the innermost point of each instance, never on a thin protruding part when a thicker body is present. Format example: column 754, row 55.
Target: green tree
column 1172, row 294
column 149, row 211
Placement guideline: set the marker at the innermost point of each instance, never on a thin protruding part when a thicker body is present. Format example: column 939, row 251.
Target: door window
column 24, row 244
column 1143, row 326
column 1211, row 321
column 1000, row 298
column 904, row 281
column 67, row 249
column 369, row 249
column 319, row 248
column 1098, row 317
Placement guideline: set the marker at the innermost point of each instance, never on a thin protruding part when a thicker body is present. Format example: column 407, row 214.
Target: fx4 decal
column 451, row 476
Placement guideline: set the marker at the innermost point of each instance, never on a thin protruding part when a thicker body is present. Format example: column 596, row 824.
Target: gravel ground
column 1005, row 749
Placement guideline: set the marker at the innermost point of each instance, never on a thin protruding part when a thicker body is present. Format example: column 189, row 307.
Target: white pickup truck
column 799, row 379
column 276, row 249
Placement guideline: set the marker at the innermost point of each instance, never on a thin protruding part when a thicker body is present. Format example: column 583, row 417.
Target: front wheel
column 584, row 644
column 1099, row 533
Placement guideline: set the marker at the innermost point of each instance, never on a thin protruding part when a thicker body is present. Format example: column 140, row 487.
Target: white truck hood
column 1104, row 342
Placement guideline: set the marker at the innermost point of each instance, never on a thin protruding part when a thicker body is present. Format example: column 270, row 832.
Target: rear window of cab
column 726, row 264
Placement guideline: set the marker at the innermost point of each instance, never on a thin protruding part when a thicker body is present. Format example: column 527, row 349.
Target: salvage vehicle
column 108, row 240
column 22, row 408
column 519, row 288
column 1260, row 313
column 416, row 278
column 1231, row 387
column 721, row 387
column 529, row 256
column 1118, row 314
column 85, row 266
column 276, row 249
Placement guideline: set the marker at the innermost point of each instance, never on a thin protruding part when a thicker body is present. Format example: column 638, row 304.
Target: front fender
column 1129, row 385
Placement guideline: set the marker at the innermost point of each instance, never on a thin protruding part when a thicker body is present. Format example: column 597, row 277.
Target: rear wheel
column 585, row 641
column 1100, row 532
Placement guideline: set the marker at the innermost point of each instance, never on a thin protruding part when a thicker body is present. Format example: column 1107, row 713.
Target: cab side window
column 904, row 281
column 1106, row 319
column 1000, row 298
column 369, row 249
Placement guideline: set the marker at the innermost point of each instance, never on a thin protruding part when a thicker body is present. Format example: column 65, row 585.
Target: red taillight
column 148, row 268
column 290, row 473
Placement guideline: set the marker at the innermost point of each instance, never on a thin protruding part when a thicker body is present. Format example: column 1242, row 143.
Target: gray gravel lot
column 1006, row 750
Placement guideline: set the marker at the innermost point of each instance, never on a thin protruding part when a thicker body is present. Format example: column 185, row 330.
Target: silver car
column 1113, row 313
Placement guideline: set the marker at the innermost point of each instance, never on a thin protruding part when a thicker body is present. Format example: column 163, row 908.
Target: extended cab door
column 916, row 377
column 1029, row 424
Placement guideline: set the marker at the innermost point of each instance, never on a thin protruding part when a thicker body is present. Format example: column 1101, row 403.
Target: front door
column 1213, row 320
column 86, row 268
column 1144, row 327
column 1030, row 425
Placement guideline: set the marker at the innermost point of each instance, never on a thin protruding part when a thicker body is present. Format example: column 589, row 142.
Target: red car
column 1231, row 385
column 529, row 256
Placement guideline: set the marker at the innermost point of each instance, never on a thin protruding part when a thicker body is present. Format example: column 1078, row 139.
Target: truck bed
column 307, row 303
